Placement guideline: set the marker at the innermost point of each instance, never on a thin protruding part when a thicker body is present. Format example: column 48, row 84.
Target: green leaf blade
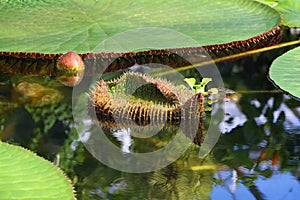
column 62, row 26
column 285, row 72
column 23, row 175
column 290, row 10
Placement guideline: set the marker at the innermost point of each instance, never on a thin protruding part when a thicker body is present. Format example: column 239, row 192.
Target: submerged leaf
column 35, row 94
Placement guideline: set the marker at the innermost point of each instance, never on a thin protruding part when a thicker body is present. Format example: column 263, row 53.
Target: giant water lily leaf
column 271, row 3
column 285, row 72
column 58, row 26
column 290, row 9
column 23, row 175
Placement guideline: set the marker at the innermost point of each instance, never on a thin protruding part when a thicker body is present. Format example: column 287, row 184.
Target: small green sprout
column 200, row 88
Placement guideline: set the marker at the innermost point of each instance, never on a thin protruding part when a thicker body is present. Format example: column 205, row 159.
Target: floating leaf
column 37, row 33
column 79, row 25
column 285, row 72
column 138, row 100
column 141, row 99
column 290, row 9
column 271, row 3
column 23, row 175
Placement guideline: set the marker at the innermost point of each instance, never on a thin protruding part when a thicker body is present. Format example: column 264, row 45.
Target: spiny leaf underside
column 124, row 111
column 45, row 64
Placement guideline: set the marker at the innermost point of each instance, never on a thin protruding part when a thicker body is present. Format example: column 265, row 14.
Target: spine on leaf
column 124, row 111
column 46, row 64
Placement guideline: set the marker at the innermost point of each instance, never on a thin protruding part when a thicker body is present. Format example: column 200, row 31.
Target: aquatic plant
column 138, row 99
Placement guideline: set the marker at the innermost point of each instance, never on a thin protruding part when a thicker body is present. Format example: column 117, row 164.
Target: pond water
column 255, row 157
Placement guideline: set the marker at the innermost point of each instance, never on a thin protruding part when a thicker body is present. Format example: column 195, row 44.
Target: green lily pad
column 285, row 72
column 290, row 9
column 58, row 26
column 23, row 175
column 271, row 3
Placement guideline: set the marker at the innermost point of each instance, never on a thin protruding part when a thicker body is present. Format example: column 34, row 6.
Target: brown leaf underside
column 45, row 64
column 114, row 111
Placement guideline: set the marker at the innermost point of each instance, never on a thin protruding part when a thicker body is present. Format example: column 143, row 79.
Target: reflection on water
column 233, row 116
column 251, row 158
column 281, row 185
column 256, row 156
column 123, row 136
